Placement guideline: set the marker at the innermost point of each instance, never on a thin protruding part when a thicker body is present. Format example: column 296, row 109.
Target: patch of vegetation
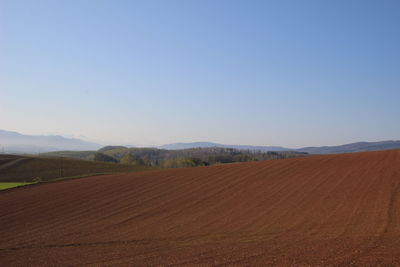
column 128, row 158
column 11, row 185
column 87, row 155
column 183, row 163
column 112, row 148
column 104, row 158
column 191, row 157
column 177, row 158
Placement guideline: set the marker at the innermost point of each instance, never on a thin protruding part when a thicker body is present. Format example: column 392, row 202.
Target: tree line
column 186, row 157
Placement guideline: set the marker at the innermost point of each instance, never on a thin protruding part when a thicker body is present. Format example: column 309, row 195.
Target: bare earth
column 321, row 210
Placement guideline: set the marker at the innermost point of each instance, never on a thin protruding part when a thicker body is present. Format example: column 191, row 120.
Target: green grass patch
column 11, row 185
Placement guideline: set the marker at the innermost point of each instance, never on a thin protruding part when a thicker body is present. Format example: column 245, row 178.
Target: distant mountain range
column 13, row 142
column 353, row 147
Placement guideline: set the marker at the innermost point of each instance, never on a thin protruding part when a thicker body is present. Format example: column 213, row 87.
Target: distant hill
column 176, row 146
column 15, row 168
column 13, row 142
column 353, row 147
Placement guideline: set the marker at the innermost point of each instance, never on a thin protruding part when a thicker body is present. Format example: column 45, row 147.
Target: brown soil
column 322, row 210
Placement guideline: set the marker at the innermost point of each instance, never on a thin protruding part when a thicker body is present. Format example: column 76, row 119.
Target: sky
column 288, row 73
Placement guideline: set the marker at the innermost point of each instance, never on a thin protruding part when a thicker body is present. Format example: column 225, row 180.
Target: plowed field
column 320, row 210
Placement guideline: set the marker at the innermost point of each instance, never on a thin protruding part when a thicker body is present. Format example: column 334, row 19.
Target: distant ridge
column 176, row 146
column 13, row 142
column 353, row 147
column 347, row 148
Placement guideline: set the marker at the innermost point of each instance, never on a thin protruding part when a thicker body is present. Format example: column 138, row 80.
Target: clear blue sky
column 290, row 73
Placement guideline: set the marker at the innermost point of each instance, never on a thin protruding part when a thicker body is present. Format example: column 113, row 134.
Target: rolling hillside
column 353, row 147
column 15, row 168
column 331, row 210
